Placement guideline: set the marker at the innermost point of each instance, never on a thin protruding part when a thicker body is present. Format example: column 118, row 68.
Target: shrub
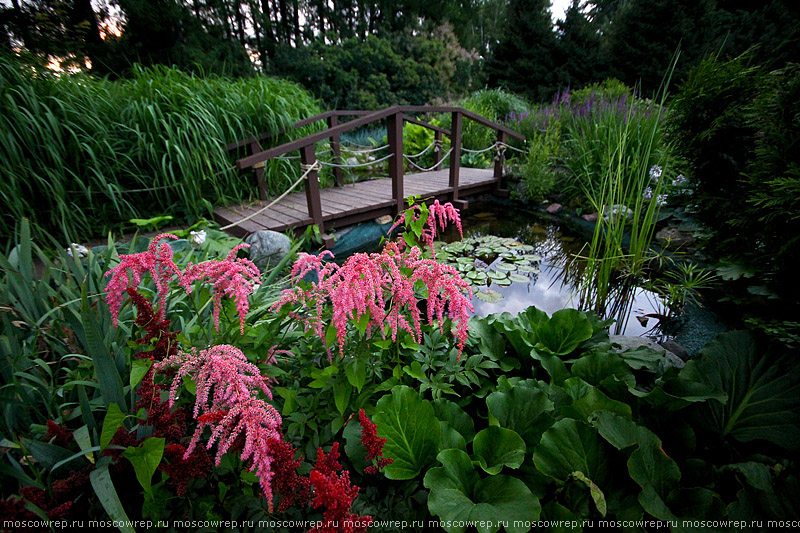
column 739, row 128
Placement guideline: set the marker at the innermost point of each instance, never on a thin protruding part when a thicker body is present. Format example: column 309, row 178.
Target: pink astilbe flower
column 437, row 213
column 368, row 283
column 223, row 376
column 235, row 277
column 226, row 403
column 157, row 260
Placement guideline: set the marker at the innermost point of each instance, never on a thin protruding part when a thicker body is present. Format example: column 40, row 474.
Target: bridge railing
column 394, row 117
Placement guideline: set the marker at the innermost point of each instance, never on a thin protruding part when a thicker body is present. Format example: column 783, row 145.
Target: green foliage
column 372, row 73
column 82, row 155
column 537, row 170
column 737, row 125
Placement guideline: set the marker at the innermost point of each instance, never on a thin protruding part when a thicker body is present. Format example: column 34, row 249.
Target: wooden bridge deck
column 350, row 204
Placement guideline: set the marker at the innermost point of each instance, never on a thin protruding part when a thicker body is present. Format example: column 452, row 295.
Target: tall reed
column 621, row 164
column 80, row 155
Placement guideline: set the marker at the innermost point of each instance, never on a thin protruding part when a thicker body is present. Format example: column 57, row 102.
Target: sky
column 558, row 8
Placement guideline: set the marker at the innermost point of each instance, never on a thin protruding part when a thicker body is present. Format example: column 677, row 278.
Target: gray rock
column 673, row 237
column 617, row 209
column 553, row 208
column 385, row 219
column 591, row 217
column 268, row 247
column 627, row 342
column 677, row 349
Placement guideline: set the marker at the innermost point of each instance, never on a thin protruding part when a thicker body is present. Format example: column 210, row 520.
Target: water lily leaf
column 763, row 390
column 494, row 275
column 489, row 296
column 518, row 278
column 504, row 282
column 411, row 430
column 571, row 446
column 564, row 332
column 458, row 495
column 465, row 260
column 483, row 252
column 523, row 409
column 506, row 267
column 528, row 269
column 496, row 447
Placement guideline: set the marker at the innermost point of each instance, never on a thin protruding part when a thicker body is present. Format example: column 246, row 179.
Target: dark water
column 557, row 284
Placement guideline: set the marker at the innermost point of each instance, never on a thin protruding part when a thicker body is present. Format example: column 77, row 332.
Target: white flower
column 648, row 193
column 80, row 249
column 655, row 172
column 679, row 180
column 197, row 237
column 661, row 199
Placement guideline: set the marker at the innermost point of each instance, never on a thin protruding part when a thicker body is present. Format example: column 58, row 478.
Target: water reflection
column 557, row 285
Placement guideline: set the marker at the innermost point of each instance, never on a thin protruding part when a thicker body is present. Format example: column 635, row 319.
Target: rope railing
column 413, row 164
column 307, row 169
column 369, row 151
column 356, row 165
column 414, row 156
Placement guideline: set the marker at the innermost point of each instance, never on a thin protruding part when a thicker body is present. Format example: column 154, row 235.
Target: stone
column 677, row 349
column 627, row 342
column 590, row 217
column 673, row 237
column 616, row 210
column 554, row 208
column 385, row 219
column 268, row 247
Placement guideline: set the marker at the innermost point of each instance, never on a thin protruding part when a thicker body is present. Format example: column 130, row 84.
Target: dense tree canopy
column 456, row 45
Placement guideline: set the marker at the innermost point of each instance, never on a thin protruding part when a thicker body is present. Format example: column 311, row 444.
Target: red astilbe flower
column 155, row 326
column 367, row 283
column 181, row 471
column 235, row 277
column 373, row 444
column 225, row 402
column 60, row 434
column 156, row 260
column 335, row 492
column 439, row 214
column 293, row 488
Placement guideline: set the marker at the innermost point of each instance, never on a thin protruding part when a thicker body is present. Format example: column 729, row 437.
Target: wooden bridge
column 343, row 205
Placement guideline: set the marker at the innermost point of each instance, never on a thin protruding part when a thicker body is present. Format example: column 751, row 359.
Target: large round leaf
column 496, row 447
column 763, row 390
column 571, row 446
column 523, row 409
column 565, row 331
column 458, row 495
column 411, row 430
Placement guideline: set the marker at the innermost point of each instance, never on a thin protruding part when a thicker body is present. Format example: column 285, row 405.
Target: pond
column 528, row 258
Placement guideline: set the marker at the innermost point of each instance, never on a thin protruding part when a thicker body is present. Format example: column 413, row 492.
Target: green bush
column 739, row 128
column 496, row 105
column 538, row 169
column 80, row 155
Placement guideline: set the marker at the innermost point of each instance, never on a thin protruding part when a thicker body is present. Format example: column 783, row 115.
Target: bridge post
column 455, row 158
column 309, row 157
column 263, row 193
column 394, row 136
column 498, row 166
column 333, row 121
column 438, row 147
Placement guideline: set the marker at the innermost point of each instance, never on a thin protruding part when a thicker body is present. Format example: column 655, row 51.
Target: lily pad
column 506, row 267
column 489, row 296
column 503, row 282
column 519, row 278
column 528, row 269
column 495, row 275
